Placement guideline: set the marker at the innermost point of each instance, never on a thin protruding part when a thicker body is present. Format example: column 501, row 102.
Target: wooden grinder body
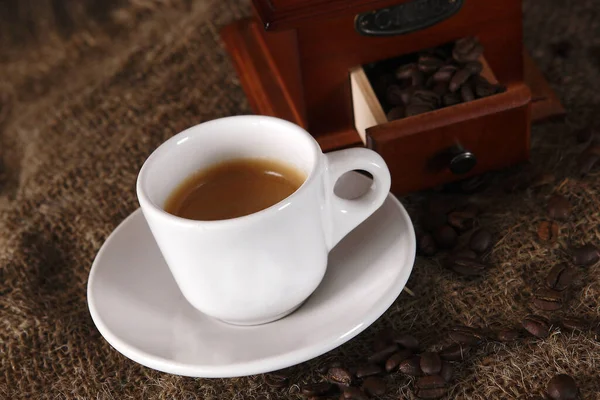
column 295, row 57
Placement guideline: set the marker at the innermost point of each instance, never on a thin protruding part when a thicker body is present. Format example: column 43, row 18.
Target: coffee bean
column 470, row 210
column 395, row 359
column 562, row 387
column 417, row 109
column 368, row 370
column 339, row 376
column 407, row 94
column 460, row 220
column 407, row 341
column 474, row 54
column 444, row 74
column 431, row 387
column 352, row 368
column 427, row 245
column 481, row 241
column 454, row 352
column 323, row 368
column 440, row 89
column 280, row 374
column 466, row 266
column 467, row 49
column 374, row 386
column 411, row 366
column 548, row 231
column 586, row 162
column 447, row 371
column 426, row 97
column 352, row 393
column 383, row 339
column 465, row 45
column 317, row 389
column 537, row 325
column 477, row 78
column 431, row 363
column 466, row 93
column 396, row 113
column 276, row 380
column 429, row 82
column 548, row 300
column 585, row 255
column 560, row 277
column 464, row 253
column 466, row 335
column 559, row 207
column 406, row 71
column 451, row 99
column 382, row 355
column 394, row 95
column 508, row 335
column 460, row 78
column 485, row 89
column 429, row 63
column 474, row 67
column 574, row 324
column 445, row 237
column 418, row 79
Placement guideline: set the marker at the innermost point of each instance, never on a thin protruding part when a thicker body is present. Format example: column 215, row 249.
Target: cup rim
column 147, row 204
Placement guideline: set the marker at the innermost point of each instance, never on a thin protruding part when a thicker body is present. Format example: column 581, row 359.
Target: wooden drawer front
column 495, row 129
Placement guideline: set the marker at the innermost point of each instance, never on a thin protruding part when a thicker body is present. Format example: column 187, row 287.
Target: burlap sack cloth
column 89, row 88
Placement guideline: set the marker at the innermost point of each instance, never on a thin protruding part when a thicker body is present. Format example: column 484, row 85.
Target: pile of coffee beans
column 435, row 78
column 432, row 372
column 554, row 295
column 465, row 338
column 559, row 278
column 393, row 353
column 443, row 229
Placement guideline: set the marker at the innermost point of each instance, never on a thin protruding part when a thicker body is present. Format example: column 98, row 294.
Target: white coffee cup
column 260, row 267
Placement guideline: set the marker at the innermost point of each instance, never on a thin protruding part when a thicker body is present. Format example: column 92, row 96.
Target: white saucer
column 139, row 310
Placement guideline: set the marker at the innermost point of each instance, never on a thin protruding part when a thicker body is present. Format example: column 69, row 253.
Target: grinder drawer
column 449, row 143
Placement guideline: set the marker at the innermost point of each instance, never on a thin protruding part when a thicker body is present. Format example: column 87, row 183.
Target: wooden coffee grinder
column 304, row 61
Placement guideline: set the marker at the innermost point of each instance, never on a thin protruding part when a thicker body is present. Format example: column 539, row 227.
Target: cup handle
column 348, row 214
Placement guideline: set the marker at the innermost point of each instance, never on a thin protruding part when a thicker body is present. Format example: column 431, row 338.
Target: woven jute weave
column 88, row 88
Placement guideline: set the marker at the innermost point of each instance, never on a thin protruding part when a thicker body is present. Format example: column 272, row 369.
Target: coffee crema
column 233, row 189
